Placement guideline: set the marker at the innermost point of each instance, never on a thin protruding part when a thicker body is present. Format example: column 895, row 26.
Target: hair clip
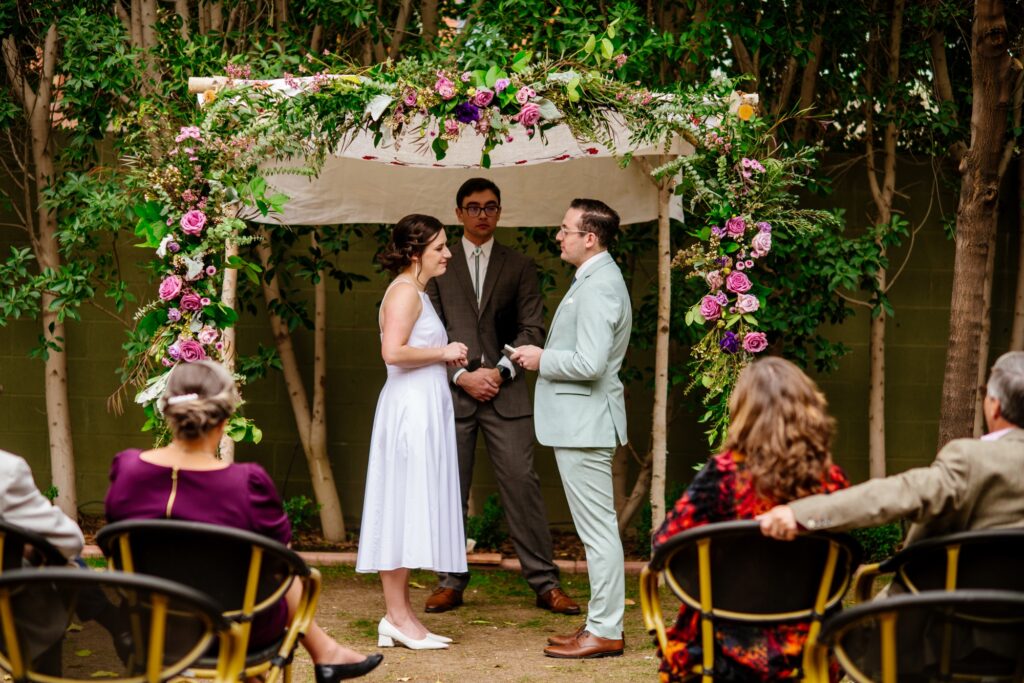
column 181, row 398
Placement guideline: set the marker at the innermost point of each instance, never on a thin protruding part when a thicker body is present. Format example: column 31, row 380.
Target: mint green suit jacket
column 578, row 400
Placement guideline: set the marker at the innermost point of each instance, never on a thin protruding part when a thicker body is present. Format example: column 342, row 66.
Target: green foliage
column 51, row 492
column 301, row 512
column 879, row 542
column 486, row 528
column 644, row 531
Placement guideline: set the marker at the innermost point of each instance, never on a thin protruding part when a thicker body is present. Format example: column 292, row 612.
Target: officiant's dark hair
column 598, row 218
column 409, row 238
column 474, row 185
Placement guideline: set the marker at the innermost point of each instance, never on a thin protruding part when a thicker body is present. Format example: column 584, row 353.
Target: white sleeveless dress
column 412, row 507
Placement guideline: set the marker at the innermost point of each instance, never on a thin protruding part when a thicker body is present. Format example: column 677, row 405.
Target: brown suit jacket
column 511, row 311
column 972, row 484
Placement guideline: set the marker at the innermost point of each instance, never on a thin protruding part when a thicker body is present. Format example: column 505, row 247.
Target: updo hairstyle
column 199, row 396
column 409, row 238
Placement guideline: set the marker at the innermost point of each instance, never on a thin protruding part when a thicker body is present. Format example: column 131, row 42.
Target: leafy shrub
column 879, row 542
column 485, row 528
column 643, row 522
column 301, row 511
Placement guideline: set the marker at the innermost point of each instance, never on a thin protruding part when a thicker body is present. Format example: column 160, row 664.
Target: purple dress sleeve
column 268, row 515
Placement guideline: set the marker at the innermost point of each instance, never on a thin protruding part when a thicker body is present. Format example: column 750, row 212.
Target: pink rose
column 170, row 287
column 207, row 335
column 410, row 97
column 736, row 226
column 529, row 115
column 191, row 302
column 192, row 222
column 524, row 94
column 444, row 88
column 191, row 350
column 451, row 127
column 710, row 308
column 483, row 97
column 736, row 282
column 714, row 280
column 755, row 342
column 762, row 243
column 747, row 303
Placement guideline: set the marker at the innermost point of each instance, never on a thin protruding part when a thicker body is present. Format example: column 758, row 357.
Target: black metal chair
column 245, row 573
column 729, row 571
column 169, row 627
column 963, row 635
column 988, row 559
column 18, row 546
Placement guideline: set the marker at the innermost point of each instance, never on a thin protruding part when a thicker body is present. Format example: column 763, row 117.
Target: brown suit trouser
column 510, row 446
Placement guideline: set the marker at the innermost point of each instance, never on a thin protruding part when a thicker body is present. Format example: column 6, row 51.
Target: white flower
column 195, row 267
column 161, row 251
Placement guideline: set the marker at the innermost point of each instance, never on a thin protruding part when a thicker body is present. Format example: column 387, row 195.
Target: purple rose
column 193, row 221
column 444, row 88
column 191, row 350
column 729, row 343
column 173, row 315
column 524, row 94
column 529, row 115
column 718, row 232
column 501, row 84
column 207, row 335
column 714, row 280
column 755, row 342
column 173, row 247
column 764, row 226
column 483, row 97
column 410, row 97
column 191, row 302
column 762, row 243
column 736, row 226
column 747, row 303
column 174, row 351
column 170, row 287
column 467, row 112
column 735, row 282
column 710, row 308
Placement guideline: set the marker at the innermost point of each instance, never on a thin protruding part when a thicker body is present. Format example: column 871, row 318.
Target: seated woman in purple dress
column 185, row 480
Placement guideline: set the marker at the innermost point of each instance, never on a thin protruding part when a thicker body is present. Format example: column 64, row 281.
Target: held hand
column 527, row 357
column 779, row 523
column 454, row 354
column 482, row 384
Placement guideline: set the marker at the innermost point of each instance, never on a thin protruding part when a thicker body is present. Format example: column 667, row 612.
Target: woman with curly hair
column 412, row 508
column 777, row 449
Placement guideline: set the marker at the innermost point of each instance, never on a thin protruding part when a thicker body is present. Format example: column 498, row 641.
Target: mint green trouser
column 587, row 477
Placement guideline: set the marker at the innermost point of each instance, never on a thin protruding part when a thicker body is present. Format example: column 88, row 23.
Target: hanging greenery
column 202, row 181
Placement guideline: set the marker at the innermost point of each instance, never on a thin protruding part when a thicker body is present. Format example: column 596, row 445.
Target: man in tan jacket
column 973, row 483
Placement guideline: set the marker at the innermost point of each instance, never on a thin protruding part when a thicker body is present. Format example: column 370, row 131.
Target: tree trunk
column 809, row 81
column 332, row 521
column 660, row 416
column 632, row 503
column 401, row 25
column 1017, row 333
column 428, row 19
column 181, row 9
column 993, row 71
column 319, row 468
column 985, row 338
column 229, row 297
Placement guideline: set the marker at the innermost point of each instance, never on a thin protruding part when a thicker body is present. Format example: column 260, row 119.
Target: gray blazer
column 23, row 505
column 511, row 311
column 972, row 484
column 579, row 400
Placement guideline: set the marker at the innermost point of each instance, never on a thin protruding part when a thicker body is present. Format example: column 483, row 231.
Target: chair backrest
column 166, row 627
column 731, row 570
column 988, row 559
column 243, row 572
column 13, row 544
column 932, row 636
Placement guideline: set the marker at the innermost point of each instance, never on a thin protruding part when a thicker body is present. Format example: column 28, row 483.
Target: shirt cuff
column 505, row 363
column 455, row 377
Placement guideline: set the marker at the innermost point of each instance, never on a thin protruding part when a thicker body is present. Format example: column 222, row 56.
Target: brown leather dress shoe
column 587, row 646
column 558, row 602
column 444, row 599
column 566, row 639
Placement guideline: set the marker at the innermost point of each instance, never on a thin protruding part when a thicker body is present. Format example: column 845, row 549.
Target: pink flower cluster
column 444, row 86
column 188, row 132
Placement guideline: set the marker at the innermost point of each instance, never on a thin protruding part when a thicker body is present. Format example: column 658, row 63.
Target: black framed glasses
column 474, row 210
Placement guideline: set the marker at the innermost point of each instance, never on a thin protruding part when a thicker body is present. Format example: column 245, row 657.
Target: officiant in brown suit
column 489, row 297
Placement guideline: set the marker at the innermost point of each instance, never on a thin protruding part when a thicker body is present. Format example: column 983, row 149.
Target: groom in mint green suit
column 579, row 410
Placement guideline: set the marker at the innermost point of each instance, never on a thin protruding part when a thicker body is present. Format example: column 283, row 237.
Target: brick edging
column 325, row 559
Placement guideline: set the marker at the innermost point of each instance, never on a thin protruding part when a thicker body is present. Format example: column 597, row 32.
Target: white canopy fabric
column 363, row 183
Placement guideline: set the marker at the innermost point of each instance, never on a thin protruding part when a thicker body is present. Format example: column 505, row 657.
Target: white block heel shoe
column 387, row 634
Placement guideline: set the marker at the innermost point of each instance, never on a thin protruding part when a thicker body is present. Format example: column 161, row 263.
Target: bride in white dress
column 412, row 509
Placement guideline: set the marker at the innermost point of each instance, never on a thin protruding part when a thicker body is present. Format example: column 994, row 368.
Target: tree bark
column 632, row 503
column 428, row 19
column 1017, row 331
column 229, row 297
column 181, row 9
column 992, row 73
column 401, row 25
column 809, row 81
column 984, row 338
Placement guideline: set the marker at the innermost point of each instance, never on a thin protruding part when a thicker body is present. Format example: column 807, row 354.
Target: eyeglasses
column 491, row 210
column 563, row 231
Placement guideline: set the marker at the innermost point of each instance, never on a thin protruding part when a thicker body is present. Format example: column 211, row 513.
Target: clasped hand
column 482, row 384
column 455, row 354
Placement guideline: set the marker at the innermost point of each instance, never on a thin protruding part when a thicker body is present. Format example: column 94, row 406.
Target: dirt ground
column 499, row 633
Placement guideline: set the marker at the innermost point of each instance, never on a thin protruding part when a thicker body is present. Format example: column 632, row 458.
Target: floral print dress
column 721, row 492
